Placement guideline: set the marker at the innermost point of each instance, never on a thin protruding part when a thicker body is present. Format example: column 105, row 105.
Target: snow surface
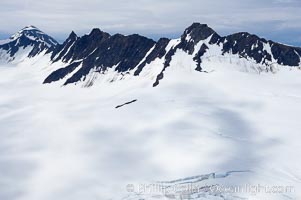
column 232, row 126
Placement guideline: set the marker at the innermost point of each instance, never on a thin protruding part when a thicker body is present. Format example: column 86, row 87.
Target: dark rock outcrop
column 99, row 51
column 251, row 46
column 61, row 73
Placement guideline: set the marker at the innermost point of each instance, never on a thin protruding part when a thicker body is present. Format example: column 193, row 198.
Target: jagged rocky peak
column 61, row 49
column 99, row 51
column 193, row 35
column 96, row 31
column 76, row 48
column 197, row 32
column 73, row 36
column 97, row 34
column 70, row 39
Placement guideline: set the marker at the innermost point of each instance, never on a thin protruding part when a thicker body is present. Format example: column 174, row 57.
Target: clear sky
column 279, row 20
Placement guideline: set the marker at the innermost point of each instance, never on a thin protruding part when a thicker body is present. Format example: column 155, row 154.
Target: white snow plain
column 232, row 127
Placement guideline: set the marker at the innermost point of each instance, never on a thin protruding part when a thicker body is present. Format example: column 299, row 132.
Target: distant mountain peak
column 27, row 30
column 198, row 25
column 29, row 27
column 34, row 34
column 29, row 36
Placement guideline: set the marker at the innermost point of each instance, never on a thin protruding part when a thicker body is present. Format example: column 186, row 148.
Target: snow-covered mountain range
column 84, row 58
column 119, row 117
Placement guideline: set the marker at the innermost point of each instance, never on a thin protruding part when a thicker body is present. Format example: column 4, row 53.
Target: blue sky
column 279, row 20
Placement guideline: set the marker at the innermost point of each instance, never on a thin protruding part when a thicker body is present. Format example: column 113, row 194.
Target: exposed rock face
column 99, row 51
column 285, row 55
column 248, row 45
column 193, row 35
column 61, row 73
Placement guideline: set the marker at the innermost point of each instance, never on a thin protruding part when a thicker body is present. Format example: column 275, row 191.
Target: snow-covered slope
column 228, row 130
column 72, row 143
